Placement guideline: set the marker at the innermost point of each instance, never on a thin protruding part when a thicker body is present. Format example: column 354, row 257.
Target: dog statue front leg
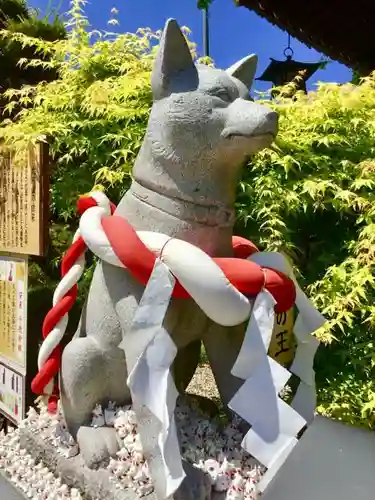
column 94, row 370
column 86, row 372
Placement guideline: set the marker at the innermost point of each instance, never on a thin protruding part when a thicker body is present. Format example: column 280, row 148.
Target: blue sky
column 234, row 31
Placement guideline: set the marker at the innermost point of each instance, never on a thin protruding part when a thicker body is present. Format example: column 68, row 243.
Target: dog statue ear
column 173, row 59
column 244, row 70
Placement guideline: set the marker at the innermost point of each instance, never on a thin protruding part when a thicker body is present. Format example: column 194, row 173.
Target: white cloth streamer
column 308, row 321
column 304, row 401
column 149, row 354
column 258, row 336
column 275, row 424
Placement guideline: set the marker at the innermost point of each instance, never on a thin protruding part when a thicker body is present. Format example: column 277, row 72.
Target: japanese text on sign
column 22, row 198
column 13, row 312
column 282, row 347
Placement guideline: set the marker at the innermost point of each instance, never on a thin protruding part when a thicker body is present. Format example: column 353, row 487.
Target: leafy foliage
column 17, row 18
column 311, row 195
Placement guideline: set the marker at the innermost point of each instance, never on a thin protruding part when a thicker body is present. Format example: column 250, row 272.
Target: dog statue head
column 203, row 123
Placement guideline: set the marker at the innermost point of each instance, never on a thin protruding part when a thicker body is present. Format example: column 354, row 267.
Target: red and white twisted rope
column 56, row 321
column 101, row 233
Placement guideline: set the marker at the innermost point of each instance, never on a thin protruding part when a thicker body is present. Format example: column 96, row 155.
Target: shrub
column 312, row 196
column 16, row 17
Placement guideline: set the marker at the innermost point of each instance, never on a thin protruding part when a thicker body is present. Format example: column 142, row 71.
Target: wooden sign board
column 12, row 394
column 13, row 312
column 283, row 343
column 13, row 337
column 24, row 200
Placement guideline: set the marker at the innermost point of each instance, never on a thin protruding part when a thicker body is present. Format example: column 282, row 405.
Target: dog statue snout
column 272, row 118
column 250, row 120
column 270, row 123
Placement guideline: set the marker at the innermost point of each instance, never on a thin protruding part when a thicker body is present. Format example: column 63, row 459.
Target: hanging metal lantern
column 282, row 72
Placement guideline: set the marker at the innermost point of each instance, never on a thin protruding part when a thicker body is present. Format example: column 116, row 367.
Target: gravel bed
column 203, row 383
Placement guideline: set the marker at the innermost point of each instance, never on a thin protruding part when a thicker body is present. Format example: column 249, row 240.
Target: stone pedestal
column 8, row 491
column 96, row 484
column 37, row 462
column 93, row 484
column 99, row 484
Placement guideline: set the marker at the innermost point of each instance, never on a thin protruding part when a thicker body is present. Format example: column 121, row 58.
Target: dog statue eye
column 224, row 95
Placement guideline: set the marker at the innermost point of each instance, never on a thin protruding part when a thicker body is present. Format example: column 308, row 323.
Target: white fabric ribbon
column 257, row 337
column 308, row 321
column 275, row 424
column 149, row 354
column 304, row 400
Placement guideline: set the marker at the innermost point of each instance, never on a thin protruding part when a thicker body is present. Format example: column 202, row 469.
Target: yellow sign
column 12, row 394
column 282, row 347
column 13, row 312
column 24, row 200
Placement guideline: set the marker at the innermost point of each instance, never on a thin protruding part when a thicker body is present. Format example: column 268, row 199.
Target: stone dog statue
column 202, row 127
